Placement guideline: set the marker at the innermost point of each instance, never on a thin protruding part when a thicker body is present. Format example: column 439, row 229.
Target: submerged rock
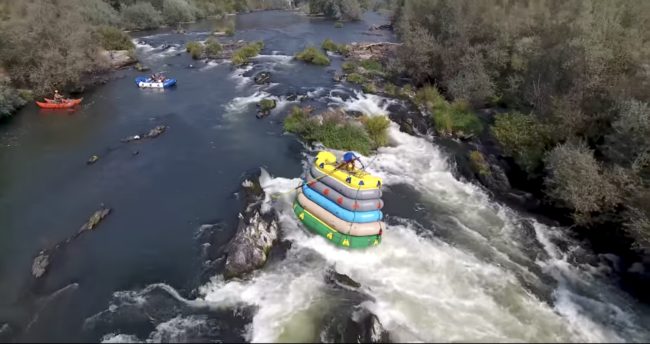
column 257, row 231
column 5, row 333
column 153, row 133
column 262, row 78
column 44, row 258
column 93, row 159
column 341, row 280
column 141, row 68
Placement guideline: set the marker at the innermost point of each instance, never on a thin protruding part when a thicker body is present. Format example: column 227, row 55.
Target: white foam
column 120, row 338
column 241, row 104
column 369, row 104
column 238, row 75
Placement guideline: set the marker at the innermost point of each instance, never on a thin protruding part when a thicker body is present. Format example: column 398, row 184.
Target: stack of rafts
column 341, row 205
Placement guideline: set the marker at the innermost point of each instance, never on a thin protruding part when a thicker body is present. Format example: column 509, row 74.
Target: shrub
column 338, row 25
column 267, row 104
column 449, row 118
column 334, row 131
column 372, row 65
column 329, row 45
column 391, row 89
column 112, row 38
column 230, row 31
column 369, row 87
column 241, row 55
column 195, row 49
column 377, row 129
column 313, row 56
column 212, row 48
column 99, row 12
column 578, row 181
column 349, row 67
column 356, row 78
column 456, row 119
column 10, row 99
column 176, row 11
column 478, row 163
column 141, row 16
column 522, row 137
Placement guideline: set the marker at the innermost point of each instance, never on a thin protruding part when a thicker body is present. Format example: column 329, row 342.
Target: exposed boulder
column 379, row 51
column 118, row 58
column 93, row 159
column 141, row 68
column 341, row 280
column 262, row 78
column 257, row 231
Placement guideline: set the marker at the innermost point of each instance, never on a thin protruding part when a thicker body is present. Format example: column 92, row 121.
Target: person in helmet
column 348, row 161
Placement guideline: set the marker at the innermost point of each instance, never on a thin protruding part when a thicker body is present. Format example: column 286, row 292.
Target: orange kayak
column 50, row 104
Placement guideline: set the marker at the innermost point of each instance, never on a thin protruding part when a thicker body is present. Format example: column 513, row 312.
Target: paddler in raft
column 348, row 162
column 58, row 98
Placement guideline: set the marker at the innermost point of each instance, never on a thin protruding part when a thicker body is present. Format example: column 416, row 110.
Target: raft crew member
column 348, row 161
column 58, row 98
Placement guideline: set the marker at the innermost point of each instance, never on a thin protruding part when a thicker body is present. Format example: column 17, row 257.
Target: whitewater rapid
column 475, row 271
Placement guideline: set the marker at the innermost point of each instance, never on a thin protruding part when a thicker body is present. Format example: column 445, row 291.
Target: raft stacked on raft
column 342, row 206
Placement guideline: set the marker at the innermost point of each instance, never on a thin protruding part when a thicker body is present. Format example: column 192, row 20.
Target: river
column 454, row 265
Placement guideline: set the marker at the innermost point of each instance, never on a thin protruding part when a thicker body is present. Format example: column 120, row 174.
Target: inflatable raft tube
column 340, row 212
column 144, row 82
column 342, row 188
column 344, row 227
column 326, row 163
column 317, row 226
column 345, row 202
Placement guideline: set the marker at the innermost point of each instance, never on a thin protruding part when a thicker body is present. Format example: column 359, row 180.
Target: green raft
column 337, row 238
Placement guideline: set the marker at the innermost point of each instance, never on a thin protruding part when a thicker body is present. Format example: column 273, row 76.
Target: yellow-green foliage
column 112, row 38
column 313, row 56
column 478, row 163
column 241, row 55
column 212, row 48
column 454, row 118
column 329, row 45
column 349, row 67
column 522, row 137
column 356, row 78
column 337, row 132
column 195, row 49
column 377, row 129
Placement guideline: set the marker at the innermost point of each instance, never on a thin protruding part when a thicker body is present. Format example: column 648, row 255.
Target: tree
column 176, row 11
column 49, row 45
column 141, row 16
column 578, row 181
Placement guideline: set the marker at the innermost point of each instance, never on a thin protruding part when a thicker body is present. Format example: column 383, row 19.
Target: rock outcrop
column 118, row 58
column 257, row 231
column 379, row 51
column 262, row 78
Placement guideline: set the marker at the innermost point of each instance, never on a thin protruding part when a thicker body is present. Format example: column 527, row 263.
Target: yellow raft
column 356, row 180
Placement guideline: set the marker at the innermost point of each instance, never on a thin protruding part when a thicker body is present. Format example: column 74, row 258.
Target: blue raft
column 340, row 212
column 145, row 82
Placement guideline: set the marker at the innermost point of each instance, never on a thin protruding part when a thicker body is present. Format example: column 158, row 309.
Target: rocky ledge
column 256, row 234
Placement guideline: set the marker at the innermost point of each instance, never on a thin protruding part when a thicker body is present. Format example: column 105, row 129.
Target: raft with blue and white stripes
column 144, row 82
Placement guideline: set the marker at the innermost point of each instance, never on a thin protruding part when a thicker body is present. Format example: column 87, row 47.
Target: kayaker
column 58, row 98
